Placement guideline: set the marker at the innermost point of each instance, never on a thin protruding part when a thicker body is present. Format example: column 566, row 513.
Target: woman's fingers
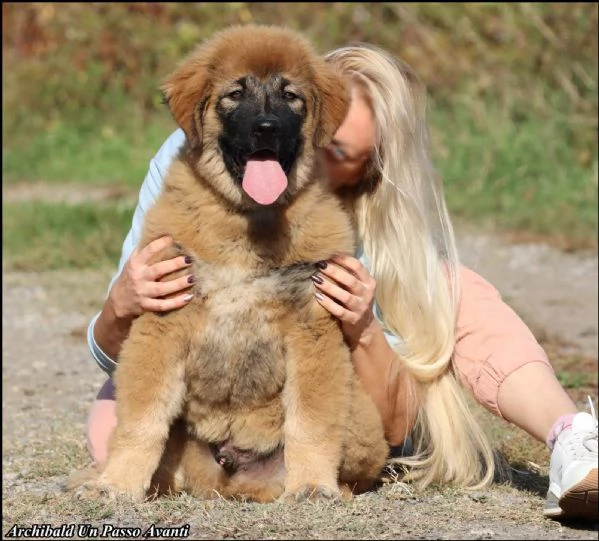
column 154, row 247
column 148, row 276
column 333, row 307
column 332, row 290
column 168, row 287
column 353, row 265
column 144, row 284
column 164, row 305
column 346, row 280
column 341, row 275
column 158, row 270
column 346, row 289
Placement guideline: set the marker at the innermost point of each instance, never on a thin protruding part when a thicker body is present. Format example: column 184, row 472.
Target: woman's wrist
column 112, row 325
column 116, row 317
column 371, row 332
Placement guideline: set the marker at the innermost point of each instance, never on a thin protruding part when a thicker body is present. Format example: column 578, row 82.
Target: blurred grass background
column 512, row 109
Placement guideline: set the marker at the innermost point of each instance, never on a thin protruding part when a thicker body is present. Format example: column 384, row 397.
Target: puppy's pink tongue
column 264, row 180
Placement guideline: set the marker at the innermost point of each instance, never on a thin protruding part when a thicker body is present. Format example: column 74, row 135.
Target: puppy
column 248, row 391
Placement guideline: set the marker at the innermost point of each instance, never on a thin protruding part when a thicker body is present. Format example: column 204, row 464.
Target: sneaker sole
column 580, row 502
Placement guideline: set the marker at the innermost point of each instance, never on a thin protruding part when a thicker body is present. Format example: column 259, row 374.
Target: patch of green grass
column 100, row 153
column 45, row 236
column 518, row 173
column 575, row 380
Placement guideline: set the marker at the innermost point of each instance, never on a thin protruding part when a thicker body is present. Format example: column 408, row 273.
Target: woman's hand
column 137, row 289
column 346, row 289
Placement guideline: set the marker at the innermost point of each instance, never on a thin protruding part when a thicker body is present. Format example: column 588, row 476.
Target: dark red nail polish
column 188, row 259
column 317, row 278
column 321, row 265
column 191, row 279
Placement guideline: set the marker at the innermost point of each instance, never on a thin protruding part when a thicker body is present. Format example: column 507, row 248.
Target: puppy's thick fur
column 248, row 391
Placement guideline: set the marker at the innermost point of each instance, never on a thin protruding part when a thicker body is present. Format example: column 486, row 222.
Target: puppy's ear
column 331, row 103
column 186, row 91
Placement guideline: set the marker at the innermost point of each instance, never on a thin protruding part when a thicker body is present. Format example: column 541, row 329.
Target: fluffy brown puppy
column 248, row 391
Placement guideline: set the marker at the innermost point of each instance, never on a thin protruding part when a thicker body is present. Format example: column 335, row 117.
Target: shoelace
column 594, row 415
column 583, row 444
column 590, row 441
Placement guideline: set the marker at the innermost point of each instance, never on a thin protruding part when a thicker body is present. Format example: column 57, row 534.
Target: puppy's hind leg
column 168, row 479
column 366, row 449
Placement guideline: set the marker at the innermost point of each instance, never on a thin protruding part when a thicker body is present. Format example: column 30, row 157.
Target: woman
column 416, row 321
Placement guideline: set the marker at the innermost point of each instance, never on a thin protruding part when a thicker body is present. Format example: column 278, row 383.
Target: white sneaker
column 573, row 482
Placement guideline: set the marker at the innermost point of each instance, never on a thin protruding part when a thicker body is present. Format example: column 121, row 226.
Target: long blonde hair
column 408, row 240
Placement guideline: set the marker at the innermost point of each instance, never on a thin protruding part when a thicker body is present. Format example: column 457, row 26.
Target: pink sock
column 565, row 421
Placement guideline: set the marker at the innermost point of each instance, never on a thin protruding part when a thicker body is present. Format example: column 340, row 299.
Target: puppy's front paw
column 312, row 493
column 127, row 489
column 125, row 479
column 81, row 477
column 101, row 489
column 86, row 485
column 94, row 491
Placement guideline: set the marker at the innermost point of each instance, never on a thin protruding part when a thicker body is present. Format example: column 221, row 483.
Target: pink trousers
column 491, row 342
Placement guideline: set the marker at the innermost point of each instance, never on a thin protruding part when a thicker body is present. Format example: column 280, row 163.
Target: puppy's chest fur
column 237, row 350
column 252, row 287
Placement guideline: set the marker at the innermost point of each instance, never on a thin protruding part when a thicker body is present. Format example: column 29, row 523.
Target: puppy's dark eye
column 235, row 95
column 289, row 96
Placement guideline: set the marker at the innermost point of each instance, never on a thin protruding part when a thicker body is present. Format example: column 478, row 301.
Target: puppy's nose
column 266, row 128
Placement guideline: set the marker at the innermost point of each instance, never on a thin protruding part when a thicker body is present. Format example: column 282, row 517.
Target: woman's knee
column 101, row 423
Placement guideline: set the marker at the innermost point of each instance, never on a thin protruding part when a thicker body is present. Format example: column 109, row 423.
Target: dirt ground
column 49, row 380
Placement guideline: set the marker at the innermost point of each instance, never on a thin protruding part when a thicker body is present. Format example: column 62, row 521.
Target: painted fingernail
column 187, row 298
column 317, row 278
column 319, row 295
column 321, row 264
column 188, row 259
column 191, row 279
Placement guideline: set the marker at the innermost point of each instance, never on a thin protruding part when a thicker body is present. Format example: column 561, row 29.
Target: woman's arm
column 135, row 287
column 380, row 371
column 346, row 289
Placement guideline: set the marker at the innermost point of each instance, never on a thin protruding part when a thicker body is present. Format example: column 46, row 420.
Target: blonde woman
column 420, row 326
